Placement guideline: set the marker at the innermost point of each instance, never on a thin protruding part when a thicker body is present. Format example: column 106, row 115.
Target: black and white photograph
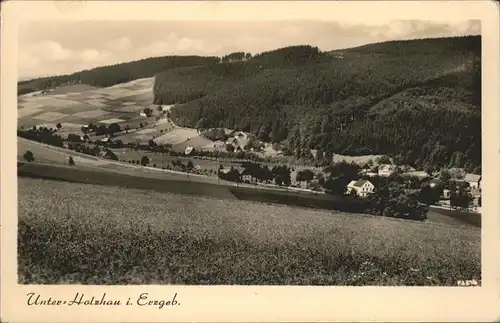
column 240, row 152
column 249, row 154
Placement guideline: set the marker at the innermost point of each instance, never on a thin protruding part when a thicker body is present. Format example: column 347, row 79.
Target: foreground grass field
column 91, row 234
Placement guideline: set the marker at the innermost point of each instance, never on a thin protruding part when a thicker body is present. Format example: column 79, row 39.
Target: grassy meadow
column 92, row 234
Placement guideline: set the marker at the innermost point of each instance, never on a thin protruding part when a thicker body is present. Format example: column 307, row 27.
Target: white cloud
column 28, row 61
column 157, row 48
column 120, row 44
column 53, row 51
column 93, row 55
column 172, row 44
column 185, row 44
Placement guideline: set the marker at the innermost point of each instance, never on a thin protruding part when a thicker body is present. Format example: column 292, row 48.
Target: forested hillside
column 120, row 73
column 418, row 101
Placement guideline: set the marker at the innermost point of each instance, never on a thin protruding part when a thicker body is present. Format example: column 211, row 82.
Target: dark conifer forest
column 119, row 73
column 418, row 101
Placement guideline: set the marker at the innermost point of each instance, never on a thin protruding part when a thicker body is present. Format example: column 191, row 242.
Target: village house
column 474, row 180
column 362, row 187
column 142, row 114
column 386, row 170
column 234, row 142
column 188, row 150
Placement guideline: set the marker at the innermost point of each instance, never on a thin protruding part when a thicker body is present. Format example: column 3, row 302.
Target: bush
column 28, row 156
column 144, row 161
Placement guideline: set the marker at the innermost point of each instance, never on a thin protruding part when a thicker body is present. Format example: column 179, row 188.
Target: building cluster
column 364, row 187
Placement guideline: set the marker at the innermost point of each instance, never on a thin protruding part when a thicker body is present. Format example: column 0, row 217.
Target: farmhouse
column 361, row 187
column 142, row 114
column 234, row 142
column 188, row 150
column 474, row 180
column 386, row 170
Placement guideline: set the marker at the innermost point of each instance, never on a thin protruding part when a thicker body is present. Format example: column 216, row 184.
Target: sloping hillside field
column 90, row 234
column 79, row 105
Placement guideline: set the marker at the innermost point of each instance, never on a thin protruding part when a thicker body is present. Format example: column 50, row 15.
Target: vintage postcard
column 249, row 161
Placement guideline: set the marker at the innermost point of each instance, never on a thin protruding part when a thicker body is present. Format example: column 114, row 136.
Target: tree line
column 113, row 74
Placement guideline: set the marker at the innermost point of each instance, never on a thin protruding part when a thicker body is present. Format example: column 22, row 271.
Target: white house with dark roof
column 362, row 187
column 474, row 180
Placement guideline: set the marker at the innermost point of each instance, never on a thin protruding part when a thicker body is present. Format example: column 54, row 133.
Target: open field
column 176, row 136
column 94, row 234
column 92, row 170
column 153, row 129
column 88, row 165
column 158, row 159
column 84, row 104
column 71, row 89
column 198, row 142
column 361, row 160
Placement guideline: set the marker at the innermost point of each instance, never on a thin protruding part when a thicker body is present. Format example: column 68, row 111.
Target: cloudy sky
column 54, row 47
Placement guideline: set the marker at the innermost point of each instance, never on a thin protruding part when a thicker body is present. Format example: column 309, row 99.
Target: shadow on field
column 463, row 216
column 301, row 199
column 99, row 177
